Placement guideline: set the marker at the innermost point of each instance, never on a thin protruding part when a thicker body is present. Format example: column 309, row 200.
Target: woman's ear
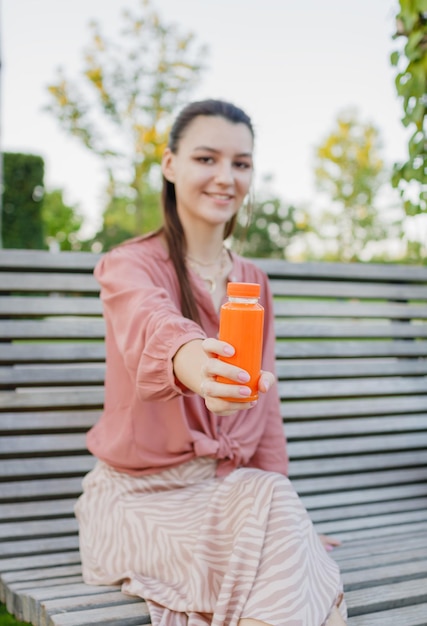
column 168, row 169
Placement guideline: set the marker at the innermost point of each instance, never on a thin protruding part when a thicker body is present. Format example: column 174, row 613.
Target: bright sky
column 292, row 65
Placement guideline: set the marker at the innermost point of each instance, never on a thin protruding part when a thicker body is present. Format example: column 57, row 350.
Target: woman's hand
column 214, row 392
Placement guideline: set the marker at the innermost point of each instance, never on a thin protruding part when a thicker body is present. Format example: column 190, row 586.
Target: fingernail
column 244, row 391
column 243, row 377
column 228, row 350
column 266, row 385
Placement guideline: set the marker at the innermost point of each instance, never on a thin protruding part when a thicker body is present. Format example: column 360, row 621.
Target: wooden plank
column 33, row 398
column 42, row 574
column 346, row 349
column 33, row 282
column 31, row 260
column 338, row 387
column 60, row 352
column 348, row 289
column 300, row 308
column 356, row 445
column 349, row 271
column 359, row 533
column 38, row 546
column 384, row 574
column 375, row 494
column 41, row 488
column 55, row 466
column 15, row 422
column 381, row 597
column 352, row 368
column 363, row 510
column 324, row 330
column 27, row 510
column 23, row 306
column 414, row 615
column 33, row 596
column 356, row 426
column 36, row 561
column 38, row 528
column 299, row 409
column 353, row 464
column 342, row 481
column 67, row 605
column 38, row 375
column 37, row 444
column 76, row 328
column 129, row 615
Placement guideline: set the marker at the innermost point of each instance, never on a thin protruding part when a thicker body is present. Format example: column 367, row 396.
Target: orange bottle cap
column 243, row 290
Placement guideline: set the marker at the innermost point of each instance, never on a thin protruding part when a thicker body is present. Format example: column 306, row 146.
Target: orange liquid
column 241, row 325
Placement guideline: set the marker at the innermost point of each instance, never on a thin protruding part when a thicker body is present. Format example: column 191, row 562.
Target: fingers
column 266, row 381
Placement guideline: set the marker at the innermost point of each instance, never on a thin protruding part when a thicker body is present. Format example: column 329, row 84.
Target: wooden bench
column 352, row 367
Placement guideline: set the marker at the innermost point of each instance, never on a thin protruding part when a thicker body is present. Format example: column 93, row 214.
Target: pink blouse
column 150, row 422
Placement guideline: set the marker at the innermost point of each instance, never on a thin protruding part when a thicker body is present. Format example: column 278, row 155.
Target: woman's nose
column 224, row 173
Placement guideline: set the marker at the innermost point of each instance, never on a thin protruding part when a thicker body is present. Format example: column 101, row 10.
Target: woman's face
column 211, row 170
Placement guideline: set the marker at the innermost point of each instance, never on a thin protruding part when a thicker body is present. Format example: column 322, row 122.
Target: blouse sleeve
column 271, row 454
column 144, row 323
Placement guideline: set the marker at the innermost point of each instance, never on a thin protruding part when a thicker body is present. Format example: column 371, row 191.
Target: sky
column 293, row 66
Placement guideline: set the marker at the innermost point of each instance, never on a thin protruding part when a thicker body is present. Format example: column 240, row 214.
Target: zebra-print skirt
column 204, row 550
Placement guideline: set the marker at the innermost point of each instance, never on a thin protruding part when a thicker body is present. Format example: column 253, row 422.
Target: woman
column 189, row 505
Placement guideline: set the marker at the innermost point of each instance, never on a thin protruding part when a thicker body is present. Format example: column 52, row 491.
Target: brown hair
column 172, row 227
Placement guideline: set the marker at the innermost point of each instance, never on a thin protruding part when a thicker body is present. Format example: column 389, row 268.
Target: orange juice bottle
column 241, row 325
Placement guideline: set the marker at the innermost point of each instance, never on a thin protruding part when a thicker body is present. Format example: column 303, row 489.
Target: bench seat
column 351, row 356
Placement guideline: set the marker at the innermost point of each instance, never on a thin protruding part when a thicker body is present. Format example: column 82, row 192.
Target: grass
column 8, row 620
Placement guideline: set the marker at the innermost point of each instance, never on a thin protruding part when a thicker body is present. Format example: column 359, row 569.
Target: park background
column 304, row 72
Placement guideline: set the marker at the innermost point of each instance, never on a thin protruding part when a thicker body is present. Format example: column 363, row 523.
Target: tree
column 23, row 190
column 268, row 229
column 121, row 105
column 349, row 169
column 61, row 222
column 410, row 60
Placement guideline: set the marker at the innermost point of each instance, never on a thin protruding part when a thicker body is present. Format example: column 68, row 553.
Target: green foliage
column 22, row 225
column 349, row 169
column 410, row 61
column 7, row 620
column 268, row 229
column 120, row 220
column 121, row 104
column 61, row 222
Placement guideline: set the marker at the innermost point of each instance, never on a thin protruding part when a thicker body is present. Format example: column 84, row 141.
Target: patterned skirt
column 203, row 550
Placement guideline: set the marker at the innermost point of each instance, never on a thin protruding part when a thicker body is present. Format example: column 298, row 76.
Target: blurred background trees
column 410, row 61
column 120, row 109
column 120, row 106
column 350, row 171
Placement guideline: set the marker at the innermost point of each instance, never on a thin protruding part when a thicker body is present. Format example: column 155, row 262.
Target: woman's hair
column 172, row 227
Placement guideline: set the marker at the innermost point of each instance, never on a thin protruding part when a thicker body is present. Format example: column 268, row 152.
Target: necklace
column 211, row 281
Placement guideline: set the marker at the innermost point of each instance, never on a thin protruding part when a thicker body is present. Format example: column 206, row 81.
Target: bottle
column 241, row 325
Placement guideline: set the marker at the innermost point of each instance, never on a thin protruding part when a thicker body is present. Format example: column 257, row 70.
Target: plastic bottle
column 241, row 325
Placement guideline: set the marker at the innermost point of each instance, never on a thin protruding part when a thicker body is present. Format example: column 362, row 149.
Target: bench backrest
column 352, row 369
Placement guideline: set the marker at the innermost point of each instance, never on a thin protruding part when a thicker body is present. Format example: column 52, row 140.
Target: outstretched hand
column 215, row 392
column 329, row 543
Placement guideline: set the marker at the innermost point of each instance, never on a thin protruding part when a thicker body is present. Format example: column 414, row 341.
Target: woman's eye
column 242, row 165
column 205, row 159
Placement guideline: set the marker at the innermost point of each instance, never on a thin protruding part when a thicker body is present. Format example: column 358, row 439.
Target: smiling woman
column 189, row 505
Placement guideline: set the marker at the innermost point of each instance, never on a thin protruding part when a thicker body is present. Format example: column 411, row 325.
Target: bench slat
column 349, row 309
column 20, row 375
column 302, row 330
column 60, row 352
column 352, row 368
column 45, row 283
column 24, row 306
column 76, row 328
